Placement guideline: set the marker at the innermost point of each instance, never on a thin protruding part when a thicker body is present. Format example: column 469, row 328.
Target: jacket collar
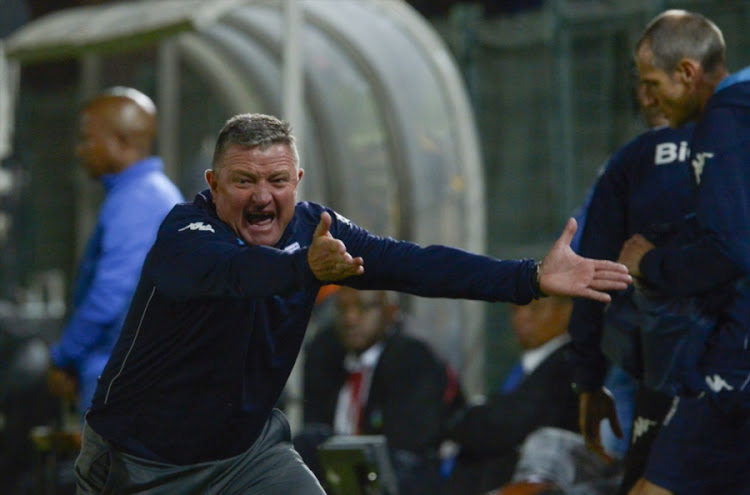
column 738, row 77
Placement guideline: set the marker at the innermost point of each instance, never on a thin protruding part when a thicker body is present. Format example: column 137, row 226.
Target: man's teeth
column 258, row 217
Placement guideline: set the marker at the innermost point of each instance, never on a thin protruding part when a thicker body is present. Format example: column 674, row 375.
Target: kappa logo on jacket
column 341, row 218
column 717, row 383
column 698, row 163
column 198, row 226
column 292, row 247
column 641, row 426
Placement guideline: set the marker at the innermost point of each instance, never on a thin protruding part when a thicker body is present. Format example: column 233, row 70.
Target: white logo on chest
column 717, row 383
column 669, row 153
column 198, row 226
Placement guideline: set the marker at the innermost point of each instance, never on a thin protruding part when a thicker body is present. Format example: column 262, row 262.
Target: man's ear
column 210, row 176
column 690, row 71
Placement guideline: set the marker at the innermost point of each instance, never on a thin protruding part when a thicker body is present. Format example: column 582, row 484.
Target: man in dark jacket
column 704, row 444
column 647, row 187
column 366, row 376
column 186, row 402
column 536, row 393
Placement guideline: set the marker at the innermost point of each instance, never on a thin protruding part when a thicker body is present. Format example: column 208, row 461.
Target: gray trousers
column 270, row 467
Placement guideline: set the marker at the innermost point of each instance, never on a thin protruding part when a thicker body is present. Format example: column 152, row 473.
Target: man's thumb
column 323, row 225
column 569, row 231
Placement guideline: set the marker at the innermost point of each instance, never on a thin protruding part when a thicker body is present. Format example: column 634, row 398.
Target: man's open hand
column 327, row 255
column 564, row 273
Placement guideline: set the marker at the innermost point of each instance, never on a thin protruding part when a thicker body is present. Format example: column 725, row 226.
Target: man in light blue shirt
column 116, row 133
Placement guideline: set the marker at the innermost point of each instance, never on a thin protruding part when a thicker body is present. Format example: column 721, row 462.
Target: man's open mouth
column 259, row 218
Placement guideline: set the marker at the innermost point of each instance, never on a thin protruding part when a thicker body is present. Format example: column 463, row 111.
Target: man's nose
column 262, row 193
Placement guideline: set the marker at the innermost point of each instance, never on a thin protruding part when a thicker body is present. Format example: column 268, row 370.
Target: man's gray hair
column 677, row 34
column 251, row 130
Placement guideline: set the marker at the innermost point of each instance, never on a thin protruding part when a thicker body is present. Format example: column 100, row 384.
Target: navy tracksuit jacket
column 720, row 158
column 215, row 326
column 646, row 187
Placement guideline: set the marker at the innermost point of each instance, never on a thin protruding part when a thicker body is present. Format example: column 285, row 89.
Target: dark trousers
column 270, row 467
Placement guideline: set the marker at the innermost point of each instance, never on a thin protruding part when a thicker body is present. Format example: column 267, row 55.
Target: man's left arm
column 720, row 252
column 692, row 269
column 442, row 271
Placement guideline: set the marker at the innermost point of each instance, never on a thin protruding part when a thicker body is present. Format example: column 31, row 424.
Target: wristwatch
column 536, row 269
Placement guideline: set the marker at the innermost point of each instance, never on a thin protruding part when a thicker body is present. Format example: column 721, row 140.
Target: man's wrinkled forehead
column 648, row 73
column 644, row 56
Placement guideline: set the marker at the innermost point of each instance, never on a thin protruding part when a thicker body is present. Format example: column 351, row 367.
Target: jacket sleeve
column 210, row 262
column 603, row 234
column 433, row 271
column 719, row 254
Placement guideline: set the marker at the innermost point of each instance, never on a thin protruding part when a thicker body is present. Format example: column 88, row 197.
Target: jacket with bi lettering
column 215, row 325
column 720, row 156
column 646, row 187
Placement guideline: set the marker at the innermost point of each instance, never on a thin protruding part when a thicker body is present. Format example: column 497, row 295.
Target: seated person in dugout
column 535, row 393
column 365, row 376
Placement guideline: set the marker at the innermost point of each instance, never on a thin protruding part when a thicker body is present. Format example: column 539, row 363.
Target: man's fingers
column 594, row 444
column 339, row 267
column 323, row 226
column 609, row 275
column 347, row 268
column 358, row 269
column 353, row 263
column 336, row 246
column 608, row 285
column 610, row 266
column 597, row 295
